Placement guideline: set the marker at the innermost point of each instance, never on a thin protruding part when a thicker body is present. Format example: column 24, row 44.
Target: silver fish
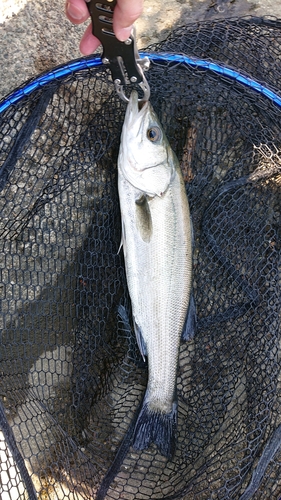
column 157, row 246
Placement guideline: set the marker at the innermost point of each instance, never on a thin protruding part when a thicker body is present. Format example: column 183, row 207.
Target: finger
column 76, row 11
column 125, row 14
column 89, row 43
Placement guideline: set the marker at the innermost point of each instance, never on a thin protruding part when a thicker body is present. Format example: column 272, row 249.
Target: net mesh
column 72, row 377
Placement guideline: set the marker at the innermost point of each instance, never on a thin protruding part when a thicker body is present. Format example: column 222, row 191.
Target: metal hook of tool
column 122, row 57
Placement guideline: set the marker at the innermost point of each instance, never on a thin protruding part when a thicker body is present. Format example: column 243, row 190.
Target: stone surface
column 35, row 35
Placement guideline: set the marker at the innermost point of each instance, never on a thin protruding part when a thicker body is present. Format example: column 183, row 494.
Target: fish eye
column 154, row 134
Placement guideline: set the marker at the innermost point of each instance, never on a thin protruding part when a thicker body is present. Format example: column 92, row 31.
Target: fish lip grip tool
column 122, row 57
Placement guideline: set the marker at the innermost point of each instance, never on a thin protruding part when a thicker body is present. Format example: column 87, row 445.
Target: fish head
column 145, row 157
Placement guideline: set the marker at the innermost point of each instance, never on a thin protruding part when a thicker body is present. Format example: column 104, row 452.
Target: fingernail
column 74, row 12
column 124, row 33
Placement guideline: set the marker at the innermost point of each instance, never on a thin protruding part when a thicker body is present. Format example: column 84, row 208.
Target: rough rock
column 35, row 35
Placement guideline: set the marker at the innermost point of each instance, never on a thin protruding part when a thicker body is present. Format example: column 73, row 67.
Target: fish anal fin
column 143, row 218
column 124, row 317
column 123, row 239
column 156, row 427
column 140, row 340
column 189, row 328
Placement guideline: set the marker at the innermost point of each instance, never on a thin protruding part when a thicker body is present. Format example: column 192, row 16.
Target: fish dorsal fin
column 143, row 218
column 189, row 328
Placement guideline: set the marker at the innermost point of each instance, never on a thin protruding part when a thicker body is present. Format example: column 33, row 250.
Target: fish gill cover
column 72, row 377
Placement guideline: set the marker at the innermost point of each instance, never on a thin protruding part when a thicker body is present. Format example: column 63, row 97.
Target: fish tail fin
column 156, row 427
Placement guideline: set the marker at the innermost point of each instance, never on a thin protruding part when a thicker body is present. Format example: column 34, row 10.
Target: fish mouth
column 135, row 109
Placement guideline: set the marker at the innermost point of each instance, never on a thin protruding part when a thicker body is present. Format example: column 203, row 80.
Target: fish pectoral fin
column 189, row 328
column 123, row 239
column 140, row 340
column 143, row 218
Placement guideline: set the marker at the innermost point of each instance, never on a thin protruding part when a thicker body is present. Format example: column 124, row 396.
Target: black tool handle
column 121, row 56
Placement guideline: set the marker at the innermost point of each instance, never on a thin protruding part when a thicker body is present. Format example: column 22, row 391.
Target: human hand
column 126, row 12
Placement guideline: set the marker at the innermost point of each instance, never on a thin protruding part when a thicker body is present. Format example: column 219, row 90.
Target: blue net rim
column 174, row 59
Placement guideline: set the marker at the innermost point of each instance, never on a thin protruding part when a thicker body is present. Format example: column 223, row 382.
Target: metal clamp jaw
column 122, row 57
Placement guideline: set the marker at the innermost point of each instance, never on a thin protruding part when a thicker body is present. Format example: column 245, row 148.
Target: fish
column 157, row 247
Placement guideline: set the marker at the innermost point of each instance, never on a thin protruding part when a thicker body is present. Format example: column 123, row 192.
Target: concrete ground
column 35, row 35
